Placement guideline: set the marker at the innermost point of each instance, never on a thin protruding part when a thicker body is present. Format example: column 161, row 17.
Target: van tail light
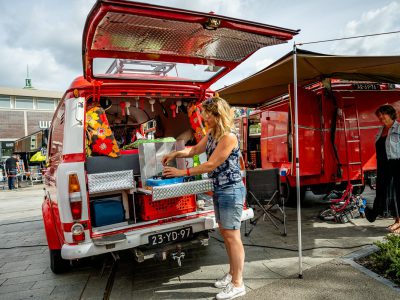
column 75, row 196
column 78, row 232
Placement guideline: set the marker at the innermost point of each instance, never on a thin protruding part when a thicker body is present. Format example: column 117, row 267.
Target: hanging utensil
column 152, row 101
column 178, row 105
column 164, row 111
column 127, row 105
column 173, row 109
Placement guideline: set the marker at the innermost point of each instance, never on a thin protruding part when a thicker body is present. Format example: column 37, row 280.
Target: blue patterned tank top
column 229, row 171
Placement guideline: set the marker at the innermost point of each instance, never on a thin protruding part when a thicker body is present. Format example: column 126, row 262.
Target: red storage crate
column 152, row 210
column 130, row 151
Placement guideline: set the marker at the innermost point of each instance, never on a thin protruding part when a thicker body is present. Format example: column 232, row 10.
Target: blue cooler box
column 159, row 181
column 106, row 212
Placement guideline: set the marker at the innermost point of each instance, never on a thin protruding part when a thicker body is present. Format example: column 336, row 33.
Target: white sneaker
column 223, row 282
column 231, row 292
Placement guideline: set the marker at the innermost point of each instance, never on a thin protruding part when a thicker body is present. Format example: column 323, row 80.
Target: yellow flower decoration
column 115, row 147
column 92, row 119
column 103, row 131
column 100, row 139
column 88, row 149
column 113, row 154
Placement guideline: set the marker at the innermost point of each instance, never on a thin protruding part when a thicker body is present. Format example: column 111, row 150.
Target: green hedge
column 387, row 259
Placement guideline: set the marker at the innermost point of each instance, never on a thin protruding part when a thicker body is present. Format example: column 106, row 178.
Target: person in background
column 221, row 145
column 387, row 146
column 12, row 166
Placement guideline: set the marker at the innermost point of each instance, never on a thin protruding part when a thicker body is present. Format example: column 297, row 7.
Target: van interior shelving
column 124, row 126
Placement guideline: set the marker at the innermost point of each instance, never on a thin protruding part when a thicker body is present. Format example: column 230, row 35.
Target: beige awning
column 273, row 81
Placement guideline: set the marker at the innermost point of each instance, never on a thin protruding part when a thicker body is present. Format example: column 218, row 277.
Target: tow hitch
column 174, row 251
column 178, row 256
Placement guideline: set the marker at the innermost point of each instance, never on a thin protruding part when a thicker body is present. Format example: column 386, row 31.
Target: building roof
column 30, row 92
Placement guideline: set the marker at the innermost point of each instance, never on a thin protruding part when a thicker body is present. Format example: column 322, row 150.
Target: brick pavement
column 25, row 272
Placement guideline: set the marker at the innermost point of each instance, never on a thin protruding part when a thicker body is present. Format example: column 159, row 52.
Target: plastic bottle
column 196, row 162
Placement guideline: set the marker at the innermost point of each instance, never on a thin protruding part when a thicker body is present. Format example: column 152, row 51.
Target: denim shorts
column 228, row 205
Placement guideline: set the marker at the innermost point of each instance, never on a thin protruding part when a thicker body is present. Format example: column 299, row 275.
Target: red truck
column 337, row 129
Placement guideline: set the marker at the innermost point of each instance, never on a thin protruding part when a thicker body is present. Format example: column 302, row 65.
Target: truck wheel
column 57, row 264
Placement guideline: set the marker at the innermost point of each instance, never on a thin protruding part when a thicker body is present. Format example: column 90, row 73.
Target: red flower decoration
column 103, row 146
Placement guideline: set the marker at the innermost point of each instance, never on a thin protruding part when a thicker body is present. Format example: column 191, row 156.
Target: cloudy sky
column 47, row 34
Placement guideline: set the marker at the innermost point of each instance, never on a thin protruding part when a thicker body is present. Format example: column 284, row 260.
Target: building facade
column 23, row 112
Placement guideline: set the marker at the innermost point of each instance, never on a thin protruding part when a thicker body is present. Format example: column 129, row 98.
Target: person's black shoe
column 370, row 215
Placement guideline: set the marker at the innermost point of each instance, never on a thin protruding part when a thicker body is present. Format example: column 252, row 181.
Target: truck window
column 57, row 135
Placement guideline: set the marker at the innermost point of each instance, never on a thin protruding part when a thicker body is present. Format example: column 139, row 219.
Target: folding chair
column 35, row 174
column 264, row 196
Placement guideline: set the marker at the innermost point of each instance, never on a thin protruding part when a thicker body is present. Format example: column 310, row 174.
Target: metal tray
column 110, row 181
column 179, row 189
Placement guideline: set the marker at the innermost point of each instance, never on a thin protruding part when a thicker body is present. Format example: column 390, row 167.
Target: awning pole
column 296, row 142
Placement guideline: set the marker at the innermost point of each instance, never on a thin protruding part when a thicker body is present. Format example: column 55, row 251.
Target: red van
column 147, row 66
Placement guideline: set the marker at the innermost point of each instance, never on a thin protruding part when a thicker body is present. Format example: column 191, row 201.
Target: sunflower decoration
column 99, row 138
column 92, row 117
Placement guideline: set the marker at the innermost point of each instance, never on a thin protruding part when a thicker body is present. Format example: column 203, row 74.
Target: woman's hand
column 173, row 172
column 167, row 158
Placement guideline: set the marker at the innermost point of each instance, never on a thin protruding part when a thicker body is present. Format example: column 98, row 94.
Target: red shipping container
column 152, row 210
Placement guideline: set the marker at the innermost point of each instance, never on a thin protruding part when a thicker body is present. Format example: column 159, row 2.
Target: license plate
column 170, row 236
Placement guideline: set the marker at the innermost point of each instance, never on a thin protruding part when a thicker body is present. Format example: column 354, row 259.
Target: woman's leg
column 230, row 208
column 227, row 248
column 236, row 254
column 383, row 177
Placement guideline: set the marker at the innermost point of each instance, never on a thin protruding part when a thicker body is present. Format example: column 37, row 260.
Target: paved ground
column 269, row 273
column 334, row 280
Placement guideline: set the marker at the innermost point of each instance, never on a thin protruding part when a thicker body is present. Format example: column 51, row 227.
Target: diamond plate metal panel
column 133, row 33
column 110, row 181
column 181, row 189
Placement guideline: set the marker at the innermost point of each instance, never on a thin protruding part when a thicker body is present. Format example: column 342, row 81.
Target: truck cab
column 146, row 69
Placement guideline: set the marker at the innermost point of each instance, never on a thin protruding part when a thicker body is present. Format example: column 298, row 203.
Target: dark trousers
column 388, row 188
column 395, row 191
column 12, row 173
column 11, row 182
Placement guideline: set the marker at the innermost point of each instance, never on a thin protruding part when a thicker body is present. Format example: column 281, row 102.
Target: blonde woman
column 221, row 145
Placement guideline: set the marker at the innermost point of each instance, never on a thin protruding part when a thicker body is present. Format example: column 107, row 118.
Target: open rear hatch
column 168, row 44
column 147, row 48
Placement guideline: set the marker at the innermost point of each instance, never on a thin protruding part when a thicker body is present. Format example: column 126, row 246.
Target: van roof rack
column 130, row 66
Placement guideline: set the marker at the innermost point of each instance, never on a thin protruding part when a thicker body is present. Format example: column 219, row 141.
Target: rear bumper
column 132, row 239
column 139, row 237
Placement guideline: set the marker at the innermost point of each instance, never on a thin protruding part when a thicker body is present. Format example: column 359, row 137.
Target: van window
column 57, row 134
